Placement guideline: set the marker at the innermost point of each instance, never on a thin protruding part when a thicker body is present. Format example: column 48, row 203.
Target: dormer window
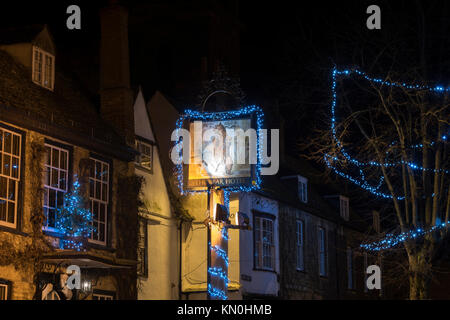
column 303, row 189
column 344, row 208
column 43, row 68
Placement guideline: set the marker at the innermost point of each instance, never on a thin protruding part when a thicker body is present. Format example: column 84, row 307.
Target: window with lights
column 43, row 68
column 56, row 173
column 99, row 198
column 10, row 157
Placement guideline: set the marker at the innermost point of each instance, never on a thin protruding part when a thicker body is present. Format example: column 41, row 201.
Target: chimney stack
column 115, row 92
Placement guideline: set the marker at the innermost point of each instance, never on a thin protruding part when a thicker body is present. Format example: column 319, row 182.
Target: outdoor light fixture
column 221, row 214
column 86, row 287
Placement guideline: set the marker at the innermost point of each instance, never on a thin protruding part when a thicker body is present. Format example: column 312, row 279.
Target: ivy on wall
column 129, row 188
column 27, row 256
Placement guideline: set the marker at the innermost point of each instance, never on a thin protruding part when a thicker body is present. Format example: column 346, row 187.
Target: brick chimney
column 115, row 92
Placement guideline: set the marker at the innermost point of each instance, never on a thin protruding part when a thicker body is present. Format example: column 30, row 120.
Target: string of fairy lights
column 390, row 240
column 218, row 272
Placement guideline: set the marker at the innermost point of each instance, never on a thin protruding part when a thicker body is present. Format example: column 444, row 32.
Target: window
column 56, row 170
column 344, row 208
column 264, row 243
column 145, row 159
column 349, row 268
column 99, row 197
column 10, row 153
column 142, row 249
column 43, row 68
column 322, row 252
column 303, row 189
column 4, row 290
column 103, row 295
column 300, row 245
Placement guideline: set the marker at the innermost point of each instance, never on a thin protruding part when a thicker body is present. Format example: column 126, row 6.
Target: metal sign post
column 217, row 249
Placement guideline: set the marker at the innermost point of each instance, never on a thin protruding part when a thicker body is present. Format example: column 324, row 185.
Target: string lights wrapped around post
column 359, row 179
column 219, row 272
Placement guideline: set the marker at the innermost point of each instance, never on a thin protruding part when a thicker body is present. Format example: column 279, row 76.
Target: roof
column 67, row 107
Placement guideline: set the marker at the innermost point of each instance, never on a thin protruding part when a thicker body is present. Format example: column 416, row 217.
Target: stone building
column 319, row 238
column 51, row 134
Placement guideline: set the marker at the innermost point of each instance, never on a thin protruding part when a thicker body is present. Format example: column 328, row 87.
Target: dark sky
column 287, row 47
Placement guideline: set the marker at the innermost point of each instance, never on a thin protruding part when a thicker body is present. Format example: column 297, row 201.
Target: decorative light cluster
column 220, row 253
column 392, row 240
column 216, row 293
column 360, row 180
column 222, row 116
column 73, row 220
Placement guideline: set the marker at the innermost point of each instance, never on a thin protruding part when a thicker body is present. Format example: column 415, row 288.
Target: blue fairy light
column 392, row 240
column 73, row 220
column 361, row 181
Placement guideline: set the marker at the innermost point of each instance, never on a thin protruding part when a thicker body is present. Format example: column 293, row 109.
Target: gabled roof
column 26, row 104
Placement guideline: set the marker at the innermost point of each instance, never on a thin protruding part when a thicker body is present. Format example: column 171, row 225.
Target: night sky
column 287, row 48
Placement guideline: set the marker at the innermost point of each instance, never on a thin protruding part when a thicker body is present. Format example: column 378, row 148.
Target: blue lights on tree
column 73, row 220
column 341, row 158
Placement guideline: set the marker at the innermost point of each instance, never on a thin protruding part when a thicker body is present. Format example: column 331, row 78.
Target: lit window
column 349, row 268
column 43, row 68
column 10, row 152
column 99, row 197
column 264, row 243
column 322, row 252
column 55, row 182
column 303, row 189
column 145, row 158
column 344, row 209
column 300, row 245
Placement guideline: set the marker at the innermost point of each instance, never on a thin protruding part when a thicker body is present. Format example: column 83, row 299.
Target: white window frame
column 344, row 207
column 139, row 157
column 323, row 251
column 45, row 71
column 94, row 201
column 47, row 187
column 102, row 296
column 303, row 189
column 262, row 248
column 300, row 245
column 14, row 160
column 2, row 285
column 350, row 282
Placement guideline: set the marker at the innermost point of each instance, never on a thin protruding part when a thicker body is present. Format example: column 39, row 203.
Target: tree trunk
column 420, row 276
